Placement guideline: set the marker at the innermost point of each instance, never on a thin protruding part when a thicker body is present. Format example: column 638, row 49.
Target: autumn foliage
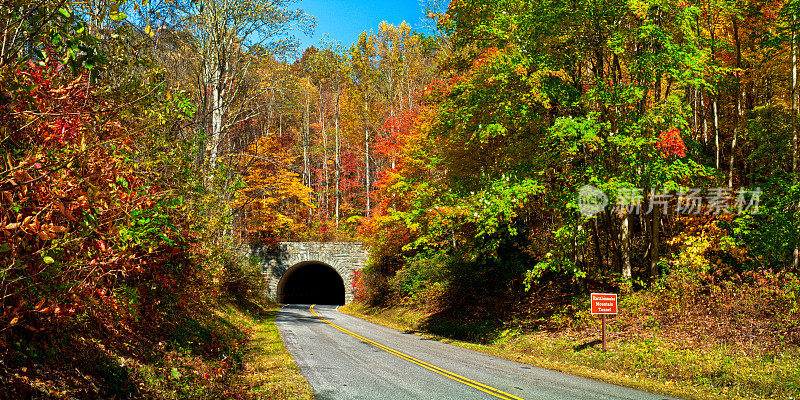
column 480, row 200
column 74, row 211
column 134, row 161
column 95, row 235
column 671, row 143
column 273, row 199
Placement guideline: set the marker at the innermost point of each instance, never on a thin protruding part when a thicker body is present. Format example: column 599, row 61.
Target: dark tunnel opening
column 311, row 283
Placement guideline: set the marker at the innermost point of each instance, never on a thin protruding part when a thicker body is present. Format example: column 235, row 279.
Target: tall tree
column 222, row 33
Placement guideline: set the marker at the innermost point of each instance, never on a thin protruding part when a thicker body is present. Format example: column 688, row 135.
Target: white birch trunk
column 337, row 160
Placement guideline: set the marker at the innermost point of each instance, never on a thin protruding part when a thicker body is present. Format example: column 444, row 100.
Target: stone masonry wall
column 344, row 257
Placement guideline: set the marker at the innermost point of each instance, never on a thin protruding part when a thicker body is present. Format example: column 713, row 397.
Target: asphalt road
column 344, row 357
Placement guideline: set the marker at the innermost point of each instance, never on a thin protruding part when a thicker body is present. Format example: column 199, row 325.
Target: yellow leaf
column 59, row 229
column 148, row 30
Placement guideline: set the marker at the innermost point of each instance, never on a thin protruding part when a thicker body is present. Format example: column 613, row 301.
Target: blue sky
column 344, row 20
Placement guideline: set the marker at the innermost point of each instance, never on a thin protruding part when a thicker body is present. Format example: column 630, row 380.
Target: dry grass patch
column 269, row 370
column 651, row 362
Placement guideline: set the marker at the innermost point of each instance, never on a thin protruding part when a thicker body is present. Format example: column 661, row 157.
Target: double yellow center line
column 458, row 378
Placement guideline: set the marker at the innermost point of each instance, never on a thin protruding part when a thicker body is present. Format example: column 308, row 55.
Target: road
column 344, row 357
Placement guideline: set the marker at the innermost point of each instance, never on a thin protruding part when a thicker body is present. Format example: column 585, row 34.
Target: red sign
column 604, row 303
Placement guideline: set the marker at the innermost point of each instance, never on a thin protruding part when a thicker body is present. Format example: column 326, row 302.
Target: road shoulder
column 270, row 371
column 406, row 322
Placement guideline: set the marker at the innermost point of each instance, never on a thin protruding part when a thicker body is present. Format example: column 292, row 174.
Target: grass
column 654, row 363
column 269, row 370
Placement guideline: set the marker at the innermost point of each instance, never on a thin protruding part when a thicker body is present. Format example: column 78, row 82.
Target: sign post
column 604, row 304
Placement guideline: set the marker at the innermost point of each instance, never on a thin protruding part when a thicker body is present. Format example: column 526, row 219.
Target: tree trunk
column 217, row 108
column 655, row 221
column 796, row 115
column 203, row 81
column 306, row 135
column 366, row 157
column 716, row 130
column 324, row 152
column 615, row 235
column 695, row 125
column 612, row 248
column 738, row 44
column 625, row 246
column 715, row 99
column 705, row 120
column 578, row 249
column 598, row 253
column 337, row 161
column 733, row 146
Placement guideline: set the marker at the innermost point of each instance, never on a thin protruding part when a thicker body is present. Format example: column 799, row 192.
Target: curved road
column 344, row 357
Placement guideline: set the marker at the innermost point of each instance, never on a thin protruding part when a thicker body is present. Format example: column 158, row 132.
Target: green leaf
column 118, row 16
column 64, row 12
column 175, row 374
column 48, row 260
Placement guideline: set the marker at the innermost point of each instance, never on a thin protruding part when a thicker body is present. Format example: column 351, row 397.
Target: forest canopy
column 518, row 149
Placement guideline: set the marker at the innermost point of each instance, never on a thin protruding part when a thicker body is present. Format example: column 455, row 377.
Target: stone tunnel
column 309, row 272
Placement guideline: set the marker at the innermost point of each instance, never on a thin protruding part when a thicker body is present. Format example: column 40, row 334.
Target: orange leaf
column 60, row 207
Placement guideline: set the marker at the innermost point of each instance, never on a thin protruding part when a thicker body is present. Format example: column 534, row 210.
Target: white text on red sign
column 604, row 303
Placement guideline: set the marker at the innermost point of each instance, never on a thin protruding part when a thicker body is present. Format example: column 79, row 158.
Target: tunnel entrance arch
column 346, row 258
column 311, row 282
